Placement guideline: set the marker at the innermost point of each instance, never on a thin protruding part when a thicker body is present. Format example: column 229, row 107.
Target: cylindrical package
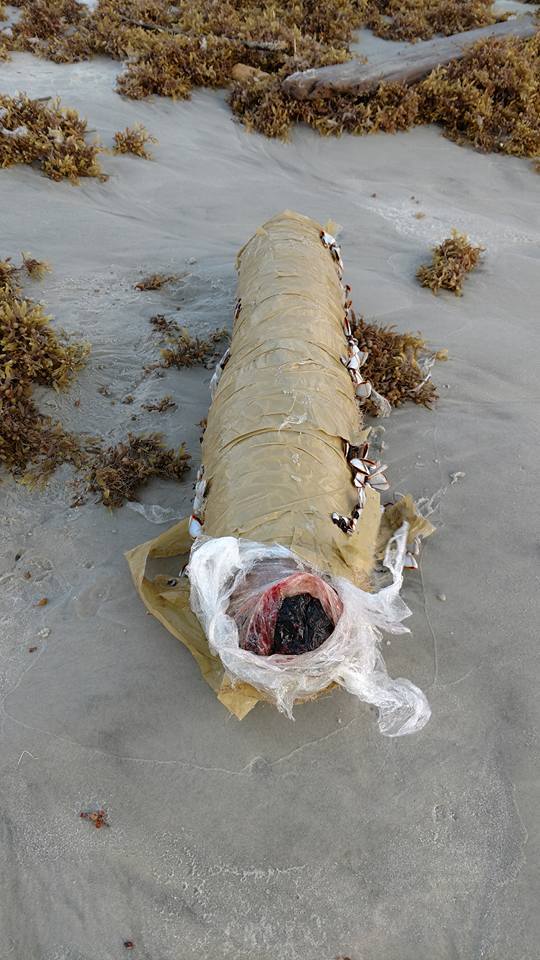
column 287, row 515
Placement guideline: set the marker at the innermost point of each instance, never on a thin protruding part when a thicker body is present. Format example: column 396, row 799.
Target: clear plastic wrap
column 228, row 579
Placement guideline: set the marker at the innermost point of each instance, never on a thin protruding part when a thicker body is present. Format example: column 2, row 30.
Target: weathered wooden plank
column 407, row 66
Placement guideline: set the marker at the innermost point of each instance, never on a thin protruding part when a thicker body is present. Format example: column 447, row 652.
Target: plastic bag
column 256, row 603
column 219, row 570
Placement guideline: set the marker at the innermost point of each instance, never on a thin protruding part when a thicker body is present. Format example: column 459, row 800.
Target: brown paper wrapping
column 273, row 447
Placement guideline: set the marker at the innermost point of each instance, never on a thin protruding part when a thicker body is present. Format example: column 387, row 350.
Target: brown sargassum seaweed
column 452, row 260
column 44, row 132
column 33, row 445
column 184, row 350
column 490, row 99
column 394, row 365
column 118, row 472
column 134, row 140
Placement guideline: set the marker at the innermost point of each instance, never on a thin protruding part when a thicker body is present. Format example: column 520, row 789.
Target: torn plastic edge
column 217, row 564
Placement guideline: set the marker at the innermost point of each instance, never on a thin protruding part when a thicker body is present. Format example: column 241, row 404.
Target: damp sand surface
column 266, row 839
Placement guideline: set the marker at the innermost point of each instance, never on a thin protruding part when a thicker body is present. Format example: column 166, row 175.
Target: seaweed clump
column 490, row 98
column 116, row 473
column 160, row 406
column 398, row 365
column 134, row 140
column 452, row 260
column 169, row 50
column 32, row 445
column 262, row 105
column 422, row 19
column 33, row 131
column 154, row 282
column 185, row 350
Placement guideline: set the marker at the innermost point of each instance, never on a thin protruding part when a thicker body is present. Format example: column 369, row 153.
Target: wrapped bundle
column 277, row 600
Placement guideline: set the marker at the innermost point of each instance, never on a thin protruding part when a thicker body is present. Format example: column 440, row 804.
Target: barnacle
column 452, row 260
column 134, row 140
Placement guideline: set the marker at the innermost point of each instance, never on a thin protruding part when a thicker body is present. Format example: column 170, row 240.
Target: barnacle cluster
column 44, row 132
column 183, row 350
column 117, row 472
column 134, row 140
column 32, row 445
column 452, row 260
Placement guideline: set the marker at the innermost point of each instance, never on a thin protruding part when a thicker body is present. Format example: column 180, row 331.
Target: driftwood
column 408, row 66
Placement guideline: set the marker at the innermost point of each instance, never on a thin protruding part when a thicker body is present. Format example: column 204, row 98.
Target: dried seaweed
column 185, row 350
column 35, row 268
column 154, row 282
column 422, row 19
column 262, row 105
column 32, row 445
column 160, row 406
column 118, row 472
column 395, row 365
column 452, row 260
column 491, row 98
column 134, row 140
column 34, row 131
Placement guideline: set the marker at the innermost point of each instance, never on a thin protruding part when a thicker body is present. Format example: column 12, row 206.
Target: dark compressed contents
column 301, row 625
column 293, row 615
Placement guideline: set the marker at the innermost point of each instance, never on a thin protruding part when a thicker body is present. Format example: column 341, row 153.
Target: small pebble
column 45, row 632
column 457, row 475
column 43, row 602
column 129, row 944
column 441, row 596
column 18, row 556
column 32, row 649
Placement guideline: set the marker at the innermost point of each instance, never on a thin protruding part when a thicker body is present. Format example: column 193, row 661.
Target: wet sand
column 266, row 839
